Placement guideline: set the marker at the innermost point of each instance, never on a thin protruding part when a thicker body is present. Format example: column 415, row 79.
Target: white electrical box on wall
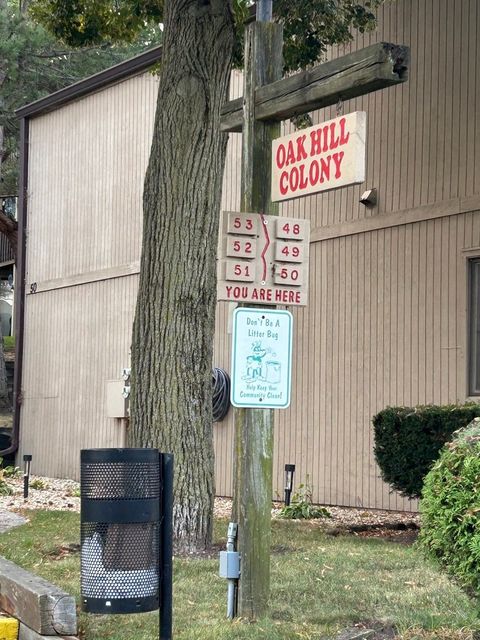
column 116, row 399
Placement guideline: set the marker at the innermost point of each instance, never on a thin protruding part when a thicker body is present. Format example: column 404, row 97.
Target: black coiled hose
column 221, row 394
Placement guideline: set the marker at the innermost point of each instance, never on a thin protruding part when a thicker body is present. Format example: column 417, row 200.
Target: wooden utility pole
column 267, row 100
column 254, row 427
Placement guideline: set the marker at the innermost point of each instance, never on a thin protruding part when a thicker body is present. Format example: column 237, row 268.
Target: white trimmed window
column 474, row 324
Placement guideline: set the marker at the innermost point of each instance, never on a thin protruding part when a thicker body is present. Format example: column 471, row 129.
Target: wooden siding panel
column 76, row 339
column 364, row 359
column 85, row 183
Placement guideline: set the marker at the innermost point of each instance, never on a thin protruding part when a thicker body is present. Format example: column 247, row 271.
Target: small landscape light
column 289, row 473
column 27, row 459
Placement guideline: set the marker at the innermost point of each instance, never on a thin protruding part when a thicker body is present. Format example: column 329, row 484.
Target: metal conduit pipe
column 264, row 10
column 230, row 569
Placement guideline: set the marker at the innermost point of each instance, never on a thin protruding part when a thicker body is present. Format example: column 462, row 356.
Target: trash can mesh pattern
column 119, row 561
column 120, row 480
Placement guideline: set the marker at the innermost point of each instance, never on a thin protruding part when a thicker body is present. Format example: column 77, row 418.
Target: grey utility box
column 229, row 564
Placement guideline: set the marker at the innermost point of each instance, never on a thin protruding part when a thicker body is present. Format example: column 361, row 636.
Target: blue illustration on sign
column 257, row 368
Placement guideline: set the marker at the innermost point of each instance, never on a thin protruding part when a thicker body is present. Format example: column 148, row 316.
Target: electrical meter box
column 116, row 399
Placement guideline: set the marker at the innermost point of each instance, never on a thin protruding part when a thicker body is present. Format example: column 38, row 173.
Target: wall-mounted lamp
column 289, row 473
column 369, row 198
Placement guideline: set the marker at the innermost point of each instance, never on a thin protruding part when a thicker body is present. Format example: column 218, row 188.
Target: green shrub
column 301, row 507
column 11, row 471
column 408, row 441
column 5, row 489
column 38, row 484
column 450, row 508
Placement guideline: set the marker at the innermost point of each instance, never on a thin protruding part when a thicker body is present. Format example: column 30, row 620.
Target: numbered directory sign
column 261, row 358
column 264, row 259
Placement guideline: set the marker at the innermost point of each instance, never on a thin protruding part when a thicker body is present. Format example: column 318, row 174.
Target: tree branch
column 9, row 228
column 4, row 155
column 68, row 52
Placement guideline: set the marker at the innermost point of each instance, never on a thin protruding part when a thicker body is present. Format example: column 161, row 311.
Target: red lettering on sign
column 301, row 153
column 255, row 294
column 287, row 297
column 325, row 168
column 333, row 141
column 240, row 293
column 266, row 295
column 322, row 170
column 314, row 172
column 290, row 153
column 337, row 158
column 327, row 138
column 280, row 156
column 294, row 179
column 315, row 142
column 303, row 179
column 344, row 138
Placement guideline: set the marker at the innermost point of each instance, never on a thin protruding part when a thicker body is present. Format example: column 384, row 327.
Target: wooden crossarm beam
column 355, row 74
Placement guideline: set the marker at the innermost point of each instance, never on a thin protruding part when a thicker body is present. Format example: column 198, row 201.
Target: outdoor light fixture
column 27, row 459
column 369, row 198
column 289, row 473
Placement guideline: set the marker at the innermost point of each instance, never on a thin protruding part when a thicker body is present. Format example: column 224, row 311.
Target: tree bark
column 9, row 228
column 172, row 346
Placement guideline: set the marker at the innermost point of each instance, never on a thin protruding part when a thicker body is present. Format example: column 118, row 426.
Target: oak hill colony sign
column 319, row 158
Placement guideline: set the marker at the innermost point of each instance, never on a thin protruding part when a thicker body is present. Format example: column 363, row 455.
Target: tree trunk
column 8, row 226
column 172, row 347
column 4, row 401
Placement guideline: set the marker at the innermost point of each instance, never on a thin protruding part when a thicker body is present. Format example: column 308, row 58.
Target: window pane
column 474, row 347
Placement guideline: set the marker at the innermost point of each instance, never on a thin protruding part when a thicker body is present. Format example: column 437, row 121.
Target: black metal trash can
column 120, row 530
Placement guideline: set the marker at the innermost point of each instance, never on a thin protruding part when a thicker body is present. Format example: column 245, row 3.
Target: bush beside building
column 408, row 441
column 450, row 508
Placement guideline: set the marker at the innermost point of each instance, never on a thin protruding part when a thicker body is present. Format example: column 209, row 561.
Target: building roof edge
column 91, row 84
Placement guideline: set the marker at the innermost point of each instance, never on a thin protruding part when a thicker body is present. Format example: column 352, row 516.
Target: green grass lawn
column 9, row 342
column 319, row 585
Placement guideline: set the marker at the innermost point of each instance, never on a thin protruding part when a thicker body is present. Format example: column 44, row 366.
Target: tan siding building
column 386, row 322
